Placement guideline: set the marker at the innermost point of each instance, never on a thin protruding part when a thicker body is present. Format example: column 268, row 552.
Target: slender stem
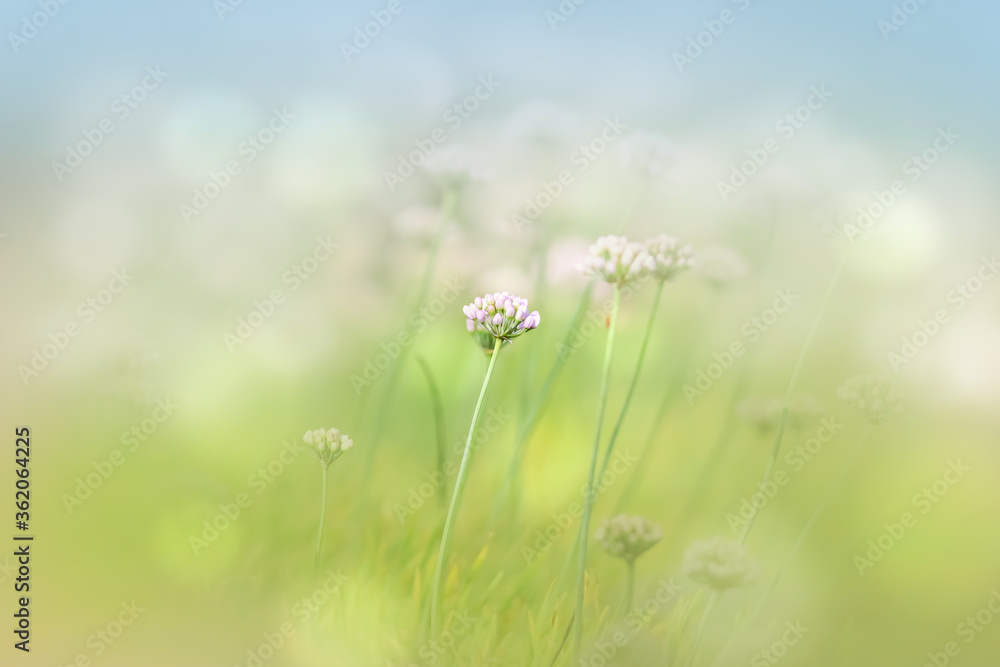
column 776, row 448
column 824, row 503
column 531, row 421
column 448, row 201
column 563, row 642
column 718, row 452
column 322, row 522
column 680, row 370
column 635, row 381
column 588, row 500
column 831, row 492
column 631, row 587
column 693, row 657
column 457, row 493
column 436, row 405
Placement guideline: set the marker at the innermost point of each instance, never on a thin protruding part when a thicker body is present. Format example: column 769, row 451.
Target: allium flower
column 499, row 315
column 328, row 444
column 616, row 260
column 669, row 257
column 454, row 165
column 876, row 396
column 719, row 563
column 628, row 537
column 720, row 266
column 649, row 152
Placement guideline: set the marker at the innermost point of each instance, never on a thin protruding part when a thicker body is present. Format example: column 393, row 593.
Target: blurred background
column 224, row 223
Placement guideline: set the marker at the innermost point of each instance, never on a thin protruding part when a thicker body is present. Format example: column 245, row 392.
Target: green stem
column 531, row 421
column 679, row 372
column 693, row 658
column 718, row 452
column 631, row 587
column 776, row 448
column 588, row 500
column 436, row 406
column 635, row 381
column 448, row 201
column 322, row 522
column 457, row 493
column 827, row 499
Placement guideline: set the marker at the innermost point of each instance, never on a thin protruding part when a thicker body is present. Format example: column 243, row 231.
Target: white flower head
column 719, row 563
column 669, row 257
column 455, row 165
column 628, row 537
column 719, row 266
column 876, row 396
column 616, row 260
column 651, row 153
column 328, row 444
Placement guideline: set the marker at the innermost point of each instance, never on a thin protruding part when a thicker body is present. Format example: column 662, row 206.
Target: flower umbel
column 876, row 396
column 499, row 316
column 616, row 260
column 669, row 257
column 719, row 563
column 328, row 444
column 627, row 536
